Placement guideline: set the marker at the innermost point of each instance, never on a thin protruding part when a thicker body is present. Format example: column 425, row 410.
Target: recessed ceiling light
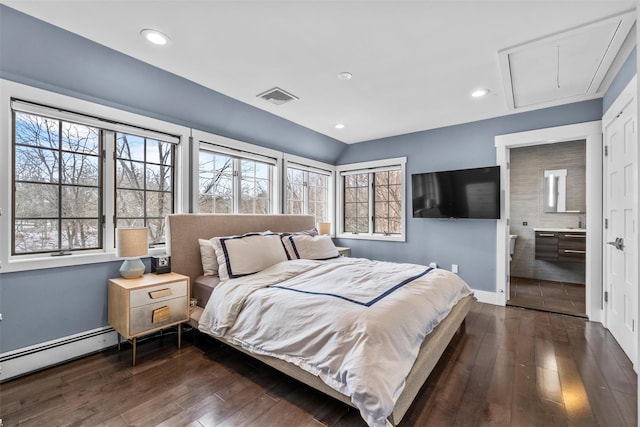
column 339, row 126
column 345, row 75
column 479, row 93
column 155, row 37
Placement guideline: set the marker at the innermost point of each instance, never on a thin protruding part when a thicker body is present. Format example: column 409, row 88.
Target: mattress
column 202, row 287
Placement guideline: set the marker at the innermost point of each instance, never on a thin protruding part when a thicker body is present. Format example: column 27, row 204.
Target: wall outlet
column 433, row 265
column 454, row 268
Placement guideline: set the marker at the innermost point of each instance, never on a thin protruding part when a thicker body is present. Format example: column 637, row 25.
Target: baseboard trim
column 28, row 359
column 487, row 297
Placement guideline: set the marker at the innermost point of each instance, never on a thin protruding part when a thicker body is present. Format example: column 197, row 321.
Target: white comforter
column 357, row 324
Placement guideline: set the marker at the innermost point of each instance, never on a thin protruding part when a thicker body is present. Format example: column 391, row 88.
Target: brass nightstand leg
column 179, row 335
column 134, row 343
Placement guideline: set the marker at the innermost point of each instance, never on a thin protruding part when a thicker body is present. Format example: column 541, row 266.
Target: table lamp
column 131, row 243
column 324, row 228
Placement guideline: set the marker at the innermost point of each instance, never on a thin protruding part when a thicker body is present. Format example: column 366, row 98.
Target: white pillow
column 310, row 247
column 247, row 254
column 208, row 255
column 209, row 258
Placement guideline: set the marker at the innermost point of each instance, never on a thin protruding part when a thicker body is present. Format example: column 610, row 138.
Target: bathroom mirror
column 555, row 190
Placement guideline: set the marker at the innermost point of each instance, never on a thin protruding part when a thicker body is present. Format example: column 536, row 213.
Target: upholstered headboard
column 184, row 230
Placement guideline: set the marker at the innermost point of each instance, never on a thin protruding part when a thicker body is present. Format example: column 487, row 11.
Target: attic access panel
column 571, row 64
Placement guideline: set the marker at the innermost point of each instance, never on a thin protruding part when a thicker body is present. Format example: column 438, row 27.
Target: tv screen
column 464, row 193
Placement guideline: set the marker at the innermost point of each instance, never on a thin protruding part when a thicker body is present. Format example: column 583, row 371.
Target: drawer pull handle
column 160, row 293
column 571, row 251
column 546, row 235
column 575, row 236
column 161, row 314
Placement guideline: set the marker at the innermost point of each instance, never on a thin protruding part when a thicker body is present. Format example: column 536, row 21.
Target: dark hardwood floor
column 546, row 295
column 511, row 367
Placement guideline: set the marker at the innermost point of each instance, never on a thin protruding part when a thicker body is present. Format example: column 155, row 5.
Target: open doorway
column 547, row 234
column 591, row 134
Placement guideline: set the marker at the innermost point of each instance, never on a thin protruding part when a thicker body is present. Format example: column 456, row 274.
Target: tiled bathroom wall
column 527, row 166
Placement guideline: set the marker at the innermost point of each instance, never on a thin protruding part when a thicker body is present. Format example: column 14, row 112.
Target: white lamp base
column 132, row 268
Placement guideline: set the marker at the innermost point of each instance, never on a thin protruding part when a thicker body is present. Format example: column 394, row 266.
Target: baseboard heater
column 44, row 355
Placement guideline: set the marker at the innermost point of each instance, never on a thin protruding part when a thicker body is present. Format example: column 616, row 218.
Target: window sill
column 26, row 263
column 393, row 238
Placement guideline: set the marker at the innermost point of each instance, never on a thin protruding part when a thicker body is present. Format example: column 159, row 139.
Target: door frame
column 591, row 132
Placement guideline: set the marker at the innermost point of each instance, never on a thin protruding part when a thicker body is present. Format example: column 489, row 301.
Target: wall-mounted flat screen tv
column 463, row 193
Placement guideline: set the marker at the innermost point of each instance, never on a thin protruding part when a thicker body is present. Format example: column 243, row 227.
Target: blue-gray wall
column 469, row 243
column 42, row 305
column 624, row 76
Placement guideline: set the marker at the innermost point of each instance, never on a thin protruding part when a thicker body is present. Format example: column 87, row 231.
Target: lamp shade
column 324, row 228
column 131, row 242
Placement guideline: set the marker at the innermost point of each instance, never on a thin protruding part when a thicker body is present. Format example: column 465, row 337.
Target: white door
column 620, row 205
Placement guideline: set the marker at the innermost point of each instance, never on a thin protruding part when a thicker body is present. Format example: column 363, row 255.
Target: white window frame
column 302, row 163
column 367, row 167
column 9, row 90
column 223, row 145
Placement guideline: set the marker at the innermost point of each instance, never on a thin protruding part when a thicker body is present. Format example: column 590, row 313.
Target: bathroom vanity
column 560, row 244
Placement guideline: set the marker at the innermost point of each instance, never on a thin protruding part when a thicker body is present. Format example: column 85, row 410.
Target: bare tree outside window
column 57, row 190
column 255, row 184
column 295, row 191
column 224, row 179
column 356, row 203
column 215, row 189
column 387, row 202
column 307, row 193
column 144, row 184
column 380, row 192
column 61, row 198
column 318, row 196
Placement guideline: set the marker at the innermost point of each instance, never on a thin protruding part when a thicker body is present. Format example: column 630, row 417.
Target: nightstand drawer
column 163, row 312
column 153, row 294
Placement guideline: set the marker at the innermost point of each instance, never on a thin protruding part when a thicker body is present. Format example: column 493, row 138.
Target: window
column 216, row 183
column 144, row 183
column 71, row 172
column 371, row 200
column 57, row 191
column 356, row 203
column 307, row 191
column 387, row 201
column 383, row 197
column 234, row 181
column 255, row 185
column 296, row 189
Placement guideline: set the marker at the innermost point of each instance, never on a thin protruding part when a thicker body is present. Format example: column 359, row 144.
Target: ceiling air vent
column 277, row 96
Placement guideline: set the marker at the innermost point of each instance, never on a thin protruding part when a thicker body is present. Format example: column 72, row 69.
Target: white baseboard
column 488, row 297
column 28, row 359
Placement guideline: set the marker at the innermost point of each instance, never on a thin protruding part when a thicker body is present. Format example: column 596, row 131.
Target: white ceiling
column 414, row 63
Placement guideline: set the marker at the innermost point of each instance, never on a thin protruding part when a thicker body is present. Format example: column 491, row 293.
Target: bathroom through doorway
column 547, row 238
column 591, row 134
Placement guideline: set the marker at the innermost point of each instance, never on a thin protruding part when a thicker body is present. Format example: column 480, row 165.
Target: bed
column 184, row 232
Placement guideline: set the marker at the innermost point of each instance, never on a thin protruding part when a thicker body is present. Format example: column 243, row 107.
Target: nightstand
column 343, row 251
column 147, row 304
